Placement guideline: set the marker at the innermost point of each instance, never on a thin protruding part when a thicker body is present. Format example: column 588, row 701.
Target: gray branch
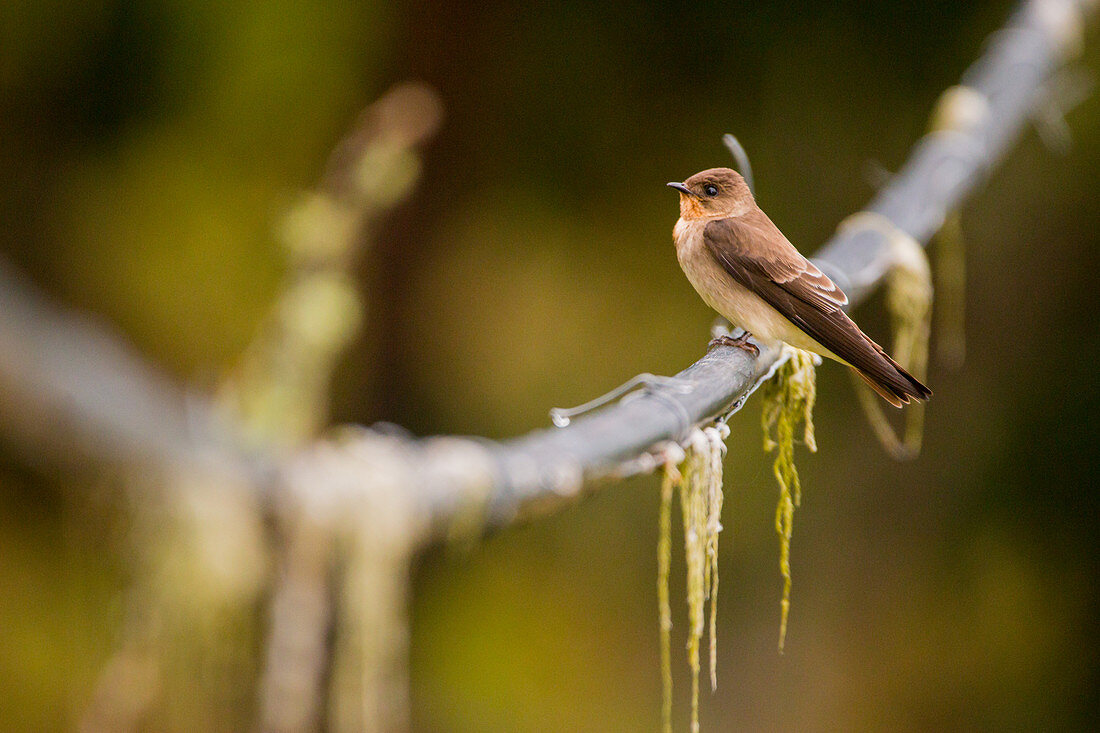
column 65, row 374
column 975, row 124
column 73, row 391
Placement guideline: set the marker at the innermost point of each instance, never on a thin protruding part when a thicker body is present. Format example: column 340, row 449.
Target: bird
column 744, row 268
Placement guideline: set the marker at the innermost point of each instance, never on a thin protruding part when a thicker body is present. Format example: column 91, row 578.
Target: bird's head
column 715, row 193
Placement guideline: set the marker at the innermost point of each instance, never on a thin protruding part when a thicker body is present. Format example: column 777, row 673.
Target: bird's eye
column 710, row 189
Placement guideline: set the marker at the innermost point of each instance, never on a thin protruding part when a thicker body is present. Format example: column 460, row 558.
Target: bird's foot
column 741, row 342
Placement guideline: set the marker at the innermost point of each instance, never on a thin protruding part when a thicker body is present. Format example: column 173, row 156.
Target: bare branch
column 73, row 391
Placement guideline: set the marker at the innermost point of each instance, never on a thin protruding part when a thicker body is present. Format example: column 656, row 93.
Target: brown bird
column 745, row 269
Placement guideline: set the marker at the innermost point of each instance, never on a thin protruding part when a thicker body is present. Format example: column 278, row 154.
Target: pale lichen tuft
column 697, row 473
column 788, row 400
column 909, row 294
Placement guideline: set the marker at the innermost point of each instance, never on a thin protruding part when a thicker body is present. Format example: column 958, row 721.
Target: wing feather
column 757, row 255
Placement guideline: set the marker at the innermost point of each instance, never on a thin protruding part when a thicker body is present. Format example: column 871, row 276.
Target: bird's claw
column 741, row 342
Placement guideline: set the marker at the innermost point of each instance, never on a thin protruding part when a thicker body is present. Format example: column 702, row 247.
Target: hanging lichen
column 909, row 300
column 697, row 473
column 963, row 109
column 950, row 309
column 716, row 450
column 788, row 400
column 669, row 481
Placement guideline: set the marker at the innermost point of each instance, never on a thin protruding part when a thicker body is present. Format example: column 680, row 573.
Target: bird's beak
column 680, row 187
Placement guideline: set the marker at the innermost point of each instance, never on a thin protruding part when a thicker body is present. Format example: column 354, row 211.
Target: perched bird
column 745, row 269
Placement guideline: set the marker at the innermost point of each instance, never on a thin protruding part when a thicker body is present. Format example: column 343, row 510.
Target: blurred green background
column 149, row 149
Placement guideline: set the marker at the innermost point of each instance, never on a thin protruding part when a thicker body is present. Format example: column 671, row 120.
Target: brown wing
column 773, row 269
column 782, row 264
